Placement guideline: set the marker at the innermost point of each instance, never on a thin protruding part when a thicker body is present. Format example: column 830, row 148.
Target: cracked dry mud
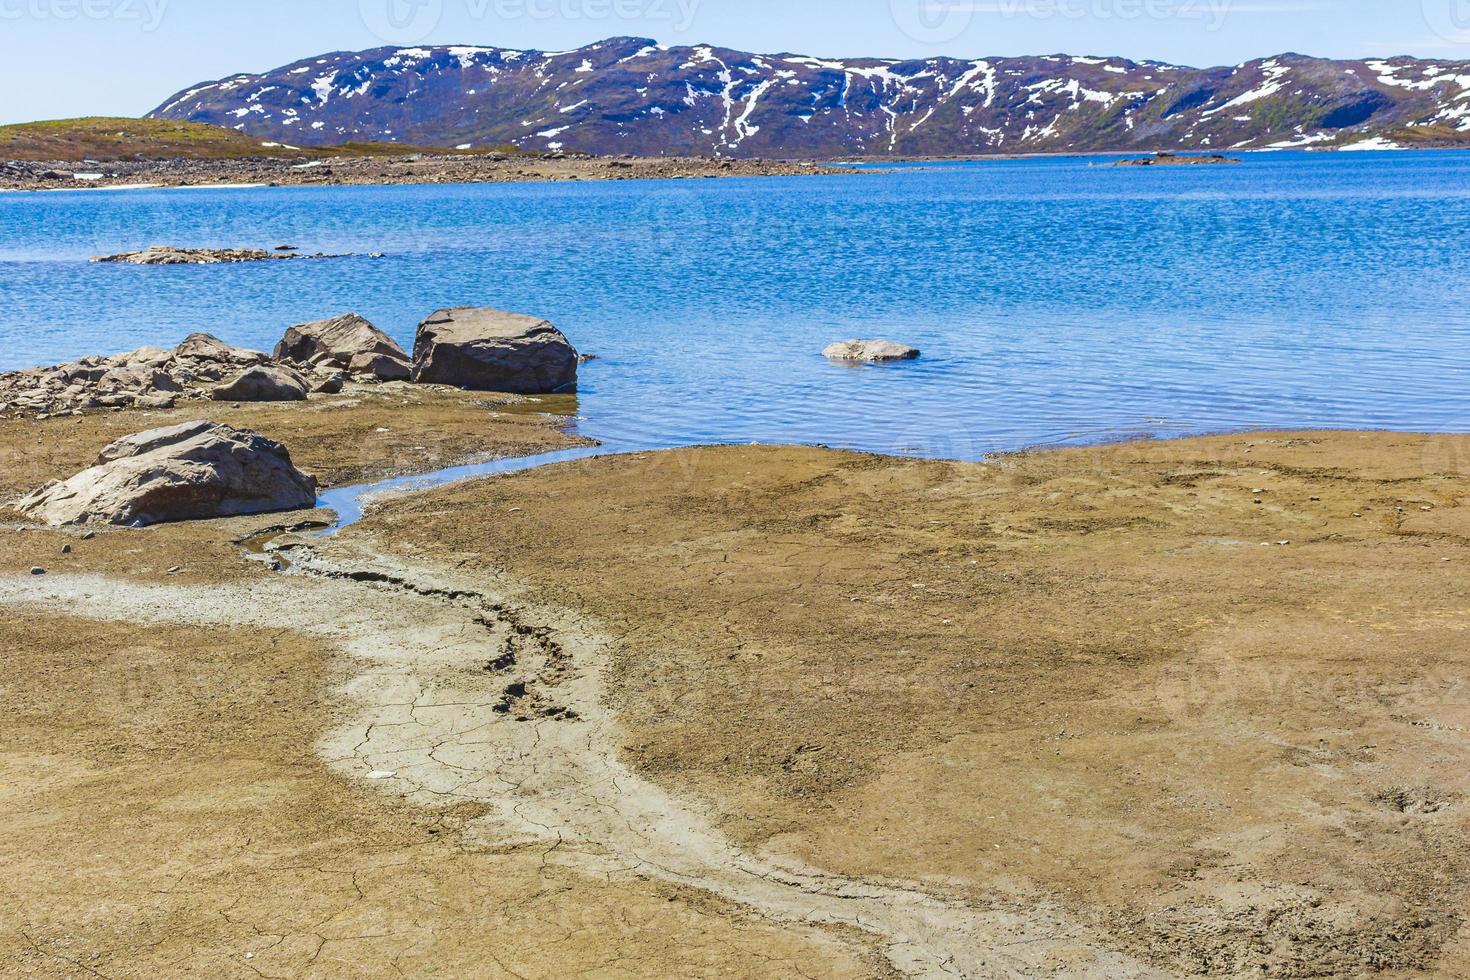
column 1174, row 708
column 466, row 696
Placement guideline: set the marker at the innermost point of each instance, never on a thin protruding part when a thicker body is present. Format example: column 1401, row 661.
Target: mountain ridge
column 631, row 95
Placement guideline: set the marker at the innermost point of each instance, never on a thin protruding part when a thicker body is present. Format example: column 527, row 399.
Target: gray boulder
column 329, row 384
column 349, row 342
column 489, row 350
column 183, row 472
column 264, row 383
column 384, row 367
column 871, row 351
column 204, row 348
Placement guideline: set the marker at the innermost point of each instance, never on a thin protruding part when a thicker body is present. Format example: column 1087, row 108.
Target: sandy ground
column 1141, row 710
column 1094, row 681
column 368, row 433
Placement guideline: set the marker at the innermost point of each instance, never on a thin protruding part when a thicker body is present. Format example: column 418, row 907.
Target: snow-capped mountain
column 630, row 95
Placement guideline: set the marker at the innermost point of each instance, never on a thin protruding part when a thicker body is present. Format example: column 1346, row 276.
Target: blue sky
column 123, row 57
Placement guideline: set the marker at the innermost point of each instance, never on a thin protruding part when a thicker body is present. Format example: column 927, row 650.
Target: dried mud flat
column 1155, row 709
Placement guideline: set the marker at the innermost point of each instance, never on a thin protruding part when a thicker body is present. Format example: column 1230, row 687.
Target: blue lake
column 1056, row 300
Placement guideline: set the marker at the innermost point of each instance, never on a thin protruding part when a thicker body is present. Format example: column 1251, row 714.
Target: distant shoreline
column 425, row 169
column 416, row 169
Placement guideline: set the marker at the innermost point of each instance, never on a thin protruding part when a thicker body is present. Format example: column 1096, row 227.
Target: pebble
column 89, row 535
column 38, row 571
column 176, row 569
column 66, row 549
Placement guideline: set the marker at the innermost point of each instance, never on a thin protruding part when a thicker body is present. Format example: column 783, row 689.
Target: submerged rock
column 1167, row 159
column 183, row 472
column 490, row 350
column 263, row 383
column 173, row 255
column 348, row 342
column 871, row 351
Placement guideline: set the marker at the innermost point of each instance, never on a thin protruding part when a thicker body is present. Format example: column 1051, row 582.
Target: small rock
column 66, row 549
column 871, row 351
column 38, row 570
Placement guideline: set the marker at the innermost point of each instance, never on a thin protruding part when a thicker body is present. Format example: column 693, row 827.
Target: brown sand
column 165, row 814
column 367, row 434
column 1096, row 677
column 1152, row 701
column 164, row 810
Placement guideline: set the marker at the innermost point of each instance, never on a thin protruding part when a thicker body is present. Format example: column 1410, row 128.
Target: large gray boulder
column 265, row 383
column 349, row 342
column 183, row 472
column 490, row 350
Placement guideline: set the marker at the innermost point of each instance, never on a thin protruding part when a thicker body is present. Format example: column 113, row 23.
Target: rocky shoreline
column 411, row 169
column 204, row 469
column 466, row 348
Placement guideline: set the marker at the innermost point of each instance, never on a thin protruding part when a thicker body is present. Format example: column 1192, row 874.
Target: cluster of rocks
column 203, row 469
column 1164, row 158
column 24, row 172
column 184, row 472
column 174, row 255
column 313, row 357
column 463, row 347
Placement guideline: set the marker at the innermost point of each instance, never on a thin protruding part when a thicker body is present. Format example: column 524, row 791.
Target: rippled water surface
column 1055, row 300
